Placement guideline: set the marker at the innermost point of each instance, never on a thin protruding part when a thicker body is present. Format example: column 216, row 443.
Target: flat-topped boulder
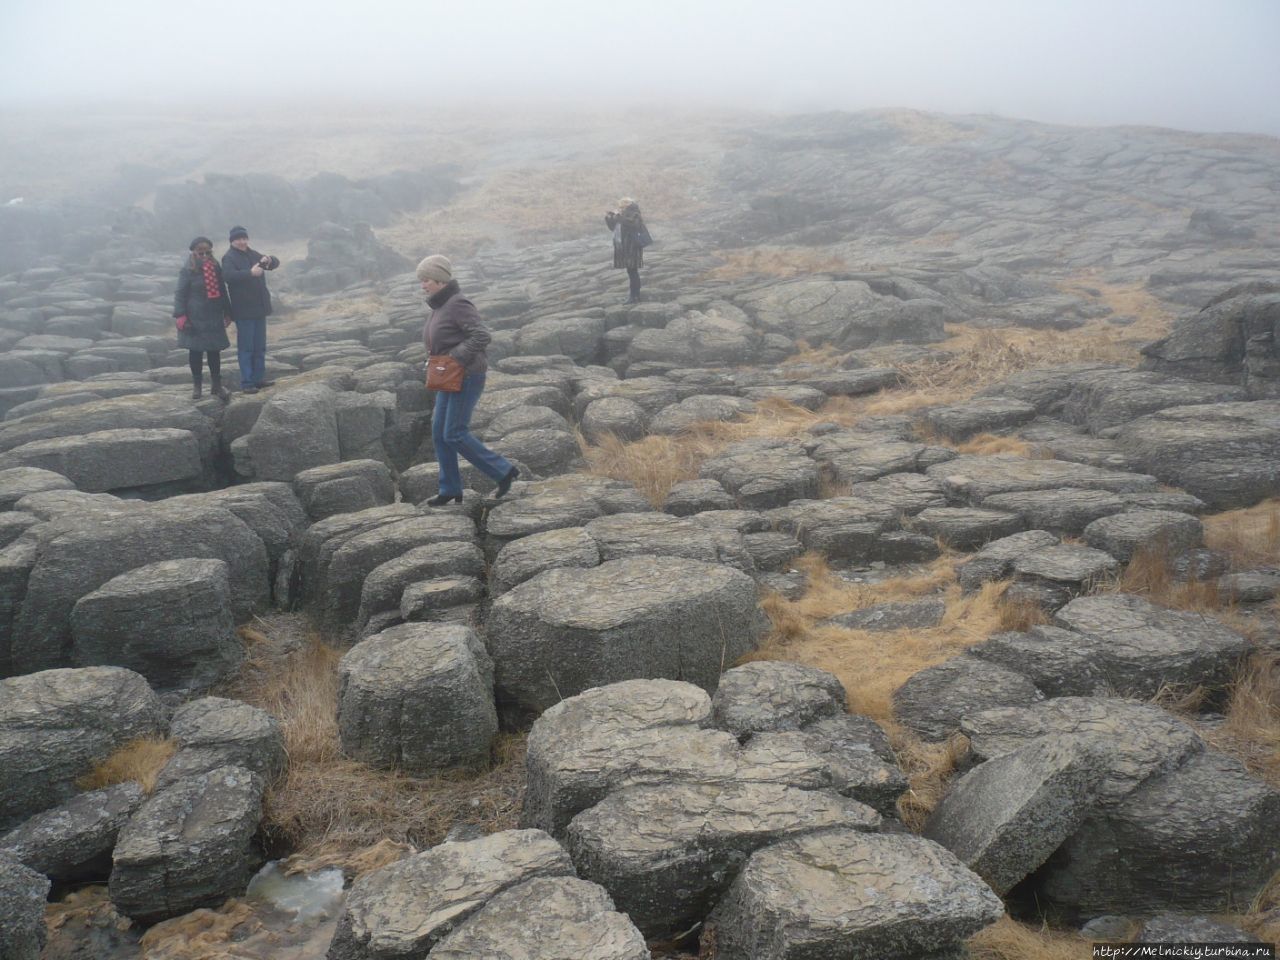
column 719, row 336
column 1123, row 396
column 1123, row 535
column 764, row 473
column 973, row 479
column 995, row 561
column 385, row 585
column 22, row 902
column 405, row 909
column 1065, row 512
column 960, row 421
column 566, row 629
column 117, row 459
column 17, row 482
column 560, row 502
column 72, row 842
column 1223, row 453
column 667, row 853
column 768, row 695
column 700, row 408
column 843, row 893
column 57, row 724
column 1138, row 647
column 934, row 700
column 845, row 529
column 844, row 313
column 214, row 732
column 861, row 458
column 344, row 487
column 547, row 918
column 964, row 528
column 525, row 558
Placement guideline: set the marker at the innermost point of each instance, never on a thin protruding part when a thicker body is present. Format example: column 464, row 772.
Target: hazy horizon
column 1177, row 63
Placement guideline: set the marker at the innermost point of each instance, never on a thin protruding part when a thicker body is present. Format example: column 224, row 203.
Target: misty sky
column 1196, row 64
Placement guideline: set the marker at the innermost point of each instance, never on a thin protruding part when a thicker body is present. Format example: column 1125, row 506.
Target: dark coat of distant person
column 205, row 328
column 627, row 251
column 250, row 298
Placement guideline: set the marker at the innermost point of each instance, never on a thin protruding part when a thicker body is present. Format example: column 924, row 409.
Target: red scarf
column 211, row 285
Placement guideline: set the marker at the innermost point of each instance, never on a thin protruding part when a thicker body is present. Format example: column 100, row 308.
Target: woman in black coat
column 630, row 237
column 202, row 310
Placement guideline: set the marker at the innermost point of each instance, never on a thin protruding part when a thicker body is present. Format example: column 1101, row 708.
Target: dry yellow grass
column 988, row 445
column 1251, row 536
column 138, row 760
column 1251, row 730
column 330, row 809
column 1007, row 939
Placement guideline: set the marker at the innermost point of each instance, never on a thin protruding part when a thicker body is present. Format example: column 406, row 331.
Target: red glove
column 181, row 322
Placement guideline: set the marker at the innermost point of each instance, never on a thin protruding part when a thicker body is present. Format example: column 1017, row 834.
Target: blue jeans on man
column 451, row 434
column 251, row 349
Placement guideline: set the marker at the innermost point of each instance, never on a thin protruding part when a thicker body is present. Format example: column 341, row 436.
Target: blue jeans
column 451, row 434
column 251, row 348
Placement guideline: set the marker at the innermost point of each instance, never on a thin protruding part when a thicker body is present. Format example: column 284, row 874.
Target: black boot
column 504, row 485
column 197, row 387
column 216, row 388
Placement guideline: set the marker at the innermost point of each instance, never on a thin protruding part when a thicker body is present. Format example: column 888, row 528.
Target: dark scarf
column 441, row 296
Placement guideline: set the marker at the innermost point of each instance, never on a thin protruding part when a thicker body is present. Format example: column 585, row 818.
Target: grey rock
column 22, row 897
column 407, row 908
column 694, row 496
column 767, row 695
column 1138, row 647
column 911, row 615
column 1177, row 928
column 116, row 459
column 568, row 629
column 772, row 551
column 845, row 529
column 614, row 416
column 1004, row 818
column 546, row 918
column 1125, row 534
column 683, row 416
column 1250, row 586
column 296, row 430
column 384, row 587
column 170, row 621
column 418, row 697
column 1109, row 926
column 720, row 336
column 973, row 478
column 961, row 421
column 1200, row 837
column 845, row 313
column 634, row 534
column 189, row 845
column 858, row 760
column 557, row 503
column 586, row 745
column 55, row 725
column 667, row 853
column 214, row 732
column 764, row 473
column 1143, row 740
column 933, row 701
column 1067, row 564
column 72, row 842
column 344, row 487
column 1053, row 659
column 995, row 561
column 965, row 528
column 1124, row 396
column 840, row 893
column 17, row 482
column 1065, row 512
column 428, row 599
column 542, row 451
column 524, row 559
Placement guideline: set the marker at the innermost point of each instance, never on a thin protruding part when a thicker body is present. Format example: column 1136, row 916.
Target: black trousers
column 215, row 363
column 633, row 274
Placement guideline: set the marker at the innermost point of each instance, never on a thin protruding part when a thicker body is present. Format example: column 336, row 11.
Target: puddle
column 312, row 896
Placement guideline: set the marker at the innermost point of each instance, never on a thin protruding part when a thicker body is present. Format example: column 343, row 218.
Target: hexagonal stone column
column 567, row 630
column 418, row 696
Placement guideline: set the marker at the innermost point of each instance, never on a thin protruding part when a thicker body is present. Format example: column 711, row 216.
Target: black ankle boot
column 504, row 485
column 439, row 500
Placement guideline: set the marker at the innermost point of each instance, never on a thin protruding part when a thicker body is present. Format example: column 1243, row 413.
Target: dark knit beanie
column 199, row 240
column 237, row 233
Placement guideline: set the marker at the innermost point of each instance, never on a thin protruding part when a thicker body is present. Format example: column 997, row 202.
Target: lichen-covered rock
column 1053, row 659
column 418, row 697
column 966, row 527
column 525, row 558
column 213, row 732
column 22, row 897
column 171, row 621
column 344, row 487
column 974, row 478
column 189, row 845
column 775, row 695
column 1178, row 928
column 567, row 630
column 694, row 496
column 666, row 853
column 933, row 701
column 995, row 561
column 1004, row 817
column 1124, row 534
column 72, row 842
column 906, row 615
column 841, row 894
column 547, row 918
column 960, row 421
column 405, row 909
column 55, row 725
column 764, row 473
column 383, row 589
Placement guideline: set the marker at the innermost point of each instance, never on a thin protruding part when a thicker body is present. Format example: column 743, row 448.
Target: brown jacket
column 455, row 328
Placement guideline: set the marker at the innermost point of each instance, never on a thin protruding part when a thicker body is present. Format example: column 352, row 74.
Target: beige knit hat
column 437, row 268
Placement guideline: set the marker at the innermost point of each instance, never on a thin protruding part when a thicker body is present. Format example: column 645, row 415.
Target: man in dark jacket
column 243, row 269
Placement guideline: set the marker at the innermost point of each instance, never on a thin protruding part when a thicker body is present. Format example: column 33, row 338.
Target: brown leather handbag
column 445, row 374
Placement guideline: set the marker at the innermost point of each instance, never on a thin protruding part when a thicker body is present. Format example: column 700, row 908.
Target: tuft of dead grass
column 1250, row 537
column 1148, row 575
column 988, row 445
column 1251, row 730
column 139, row 760
column 1007, row 939
column 329, row 809
column 929, row 768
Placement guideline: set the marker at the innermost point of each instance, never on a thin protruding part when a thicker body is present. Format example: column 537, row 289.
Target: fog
column 1181, row 63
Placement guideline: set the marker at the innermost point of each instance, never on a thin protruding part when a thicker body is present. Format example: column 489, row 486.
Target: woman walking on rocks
column 630, row 237
column 202, row 311
column 456, row 338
